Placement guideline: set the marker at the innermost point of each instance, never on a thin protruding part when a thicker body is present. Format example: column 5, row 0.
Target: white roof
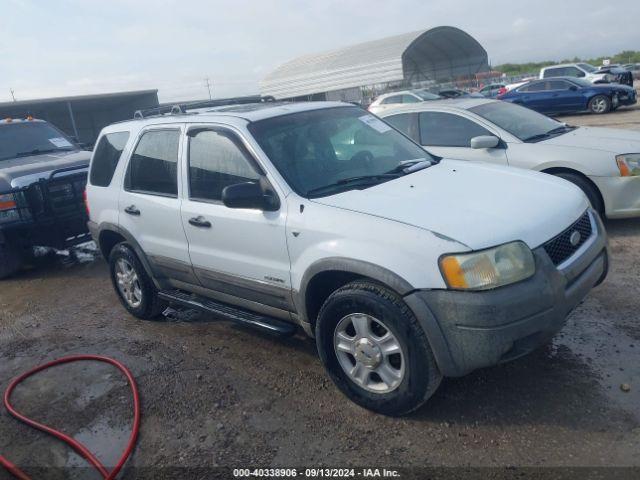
column 452, row 104
column 232, row 114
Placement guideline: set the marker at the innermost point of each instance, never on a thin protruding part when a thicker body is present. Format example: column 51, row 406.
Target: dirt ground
column 214, row 394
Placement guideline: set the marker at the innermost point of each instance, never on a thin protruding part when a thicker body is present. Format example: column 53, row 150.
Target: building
column 437, row 55
column 82, row 117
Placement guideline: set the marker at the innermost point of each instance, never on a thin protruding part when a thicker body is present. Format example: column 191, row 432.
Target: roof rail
column 182, row 108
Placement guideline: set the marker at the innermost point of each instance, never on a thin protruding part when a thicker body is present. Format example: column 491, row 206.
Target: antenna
column 13, row 94
column 208, row 87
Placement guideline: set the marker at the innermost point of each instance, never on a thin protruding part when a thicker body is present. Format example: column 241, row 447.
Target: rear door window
column 390, row 100
column 153, row 167
column 106, row 157
column 409, row 99
column 439, row 129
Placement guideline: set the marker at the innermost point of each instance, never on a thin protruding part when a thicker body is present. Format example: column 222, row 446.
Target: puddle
column 608, row 351
column 104, row 439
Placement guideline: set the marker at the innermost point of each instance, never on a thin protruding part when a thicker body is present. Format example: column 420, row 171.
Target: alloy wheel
column 128, row 283
column 369, row 353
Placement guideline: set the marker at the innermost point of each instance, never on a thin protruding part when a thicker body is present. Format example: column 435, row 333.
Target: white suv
column 405, row 267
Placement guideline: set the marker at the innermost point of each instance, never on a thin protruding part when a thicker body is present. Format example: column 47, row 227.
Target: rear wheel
column 587, row 187
column 11, row 260
column 374, row 349
column 600, row 104
column 135, row 289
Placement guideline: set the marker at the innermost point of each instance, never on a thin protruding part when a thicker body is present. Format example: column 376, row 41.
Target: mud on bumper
column 470, row 330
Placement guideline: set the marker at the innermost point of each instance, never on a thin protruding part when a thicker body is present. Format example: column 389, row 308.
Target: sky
column 75, row 47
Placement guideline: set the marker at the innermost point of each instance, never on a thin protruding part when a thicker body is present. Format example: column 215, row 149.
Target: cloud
column 89, row 46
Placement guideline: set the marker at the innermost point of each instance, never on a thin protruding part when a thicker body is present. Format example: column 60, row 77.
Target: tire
column 416, row 374
column 142, row 298
column 587, row 187
column 11, row 260
column 600, row 104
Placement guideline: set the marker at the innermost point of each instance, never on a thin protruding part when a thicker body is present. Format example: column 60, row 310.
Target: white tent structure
column 439, row 54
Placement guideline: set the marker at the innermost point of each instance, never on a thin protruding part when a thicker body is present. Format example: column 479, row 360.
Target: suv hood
column 604, row 139
column 478, row 205
column 19, row 172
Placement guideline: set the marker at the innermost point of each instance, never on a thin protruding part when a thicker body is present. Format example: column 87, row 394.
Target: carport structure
column 438, row 54
column 83, row 116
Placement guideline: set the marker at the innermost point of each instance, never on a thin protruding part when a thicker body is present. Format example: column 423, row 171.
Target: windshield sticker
column 375, row 123
column 60, row 142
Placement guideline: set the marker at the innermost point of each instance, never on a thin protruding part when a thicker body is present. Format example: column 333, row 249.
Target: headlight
column 487, row 269
column 629, row 164
column 8, row 208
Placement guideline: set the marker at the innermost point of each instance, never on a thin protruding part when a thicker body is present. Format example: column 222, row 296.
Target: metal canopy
column 441, row 53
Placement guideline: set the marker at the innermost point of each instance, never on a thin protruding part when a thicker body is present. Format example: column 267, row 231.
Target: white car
column 578, row 70
column 603, row 162
column 390, row 100
column 406, row 268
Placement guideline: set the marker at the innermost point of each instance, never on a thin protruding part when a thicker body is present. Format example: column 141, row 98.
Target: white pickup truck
column 404, row 267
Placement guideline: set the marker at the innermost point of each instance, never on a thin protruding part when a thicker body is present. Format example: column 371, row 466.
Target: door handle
column 200, row 222
column 132, row 210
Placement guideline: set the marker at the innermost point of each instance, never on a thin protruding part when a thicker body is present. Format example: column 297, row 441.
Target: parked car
column 398, row 98
column 567, row 95
column 589, row 73
column 492, row 90
column 618, row 74
column 458, row 93
column 42, row 179
column 634, row 68
column 405, row 267
column 603, row 162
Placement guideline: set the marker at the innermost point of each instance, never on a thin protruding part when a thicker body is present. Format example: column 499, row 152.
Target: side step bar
column 266, row 324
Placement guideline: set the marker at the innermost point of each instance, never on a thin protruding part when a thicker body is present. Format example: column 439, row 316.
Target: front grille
column 560, row 248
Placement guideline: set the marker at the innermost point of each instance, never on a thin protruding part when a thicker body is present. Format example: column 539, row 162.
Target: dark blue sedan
column 567, row 94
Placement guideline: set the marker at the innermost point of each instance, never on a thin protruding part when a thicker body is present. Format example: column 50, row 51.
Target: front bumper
column 621, row 195
column 470, row 330
column 55, row 233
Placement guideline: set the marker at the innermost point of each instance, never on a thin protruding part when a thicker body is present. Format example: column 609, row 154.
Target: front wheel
column 600, row 104
column 135, row 289
column 588, row 188
column 375, row 350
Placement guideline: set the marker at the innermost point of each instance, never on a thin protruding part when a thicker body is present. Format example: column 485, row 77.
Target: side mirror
column 485, row 141
column 573, row 88
column 250, row 195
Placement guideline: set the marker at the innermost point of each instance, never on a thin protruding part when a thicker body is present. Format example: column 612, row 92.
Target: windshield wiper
column 38, row 151
column 554, row 131
column 361, row 180
column 561, row 129
column 410, row 166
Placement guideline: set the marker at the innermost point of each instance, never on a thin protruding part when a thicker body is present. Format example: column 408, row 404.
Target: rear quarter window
column 106, row 158
column 153, row 165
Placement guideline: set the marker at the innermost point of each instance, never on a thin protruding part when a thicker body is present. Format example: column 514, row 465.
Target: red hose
column 77, row 446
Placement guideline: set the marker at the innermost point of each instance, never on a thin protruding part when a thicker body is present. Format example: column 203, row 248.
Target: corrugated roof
column 385, row 60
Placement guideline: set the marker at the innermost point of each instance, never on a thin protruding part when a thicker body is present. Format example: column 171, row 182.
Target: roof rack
column 182, row 108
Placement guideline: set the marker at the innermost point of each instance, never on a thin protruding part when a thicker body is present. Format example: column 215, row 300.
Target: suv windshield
column 424, row 95
column 587, row 68
column 31, row 138
column 325, row 151
column 519, row 121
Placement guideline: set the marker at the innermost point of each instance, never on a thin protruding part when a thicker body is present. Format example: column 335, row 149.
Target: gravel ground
column 218, row 395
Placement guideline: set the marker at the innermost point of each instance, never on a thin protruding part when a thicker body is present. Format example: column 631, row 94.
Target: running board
column 266, row 324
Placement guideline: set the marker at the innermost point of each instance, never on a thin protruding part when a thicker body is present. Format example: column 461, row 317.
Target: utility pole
column 208, row 87
column 12, row 94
